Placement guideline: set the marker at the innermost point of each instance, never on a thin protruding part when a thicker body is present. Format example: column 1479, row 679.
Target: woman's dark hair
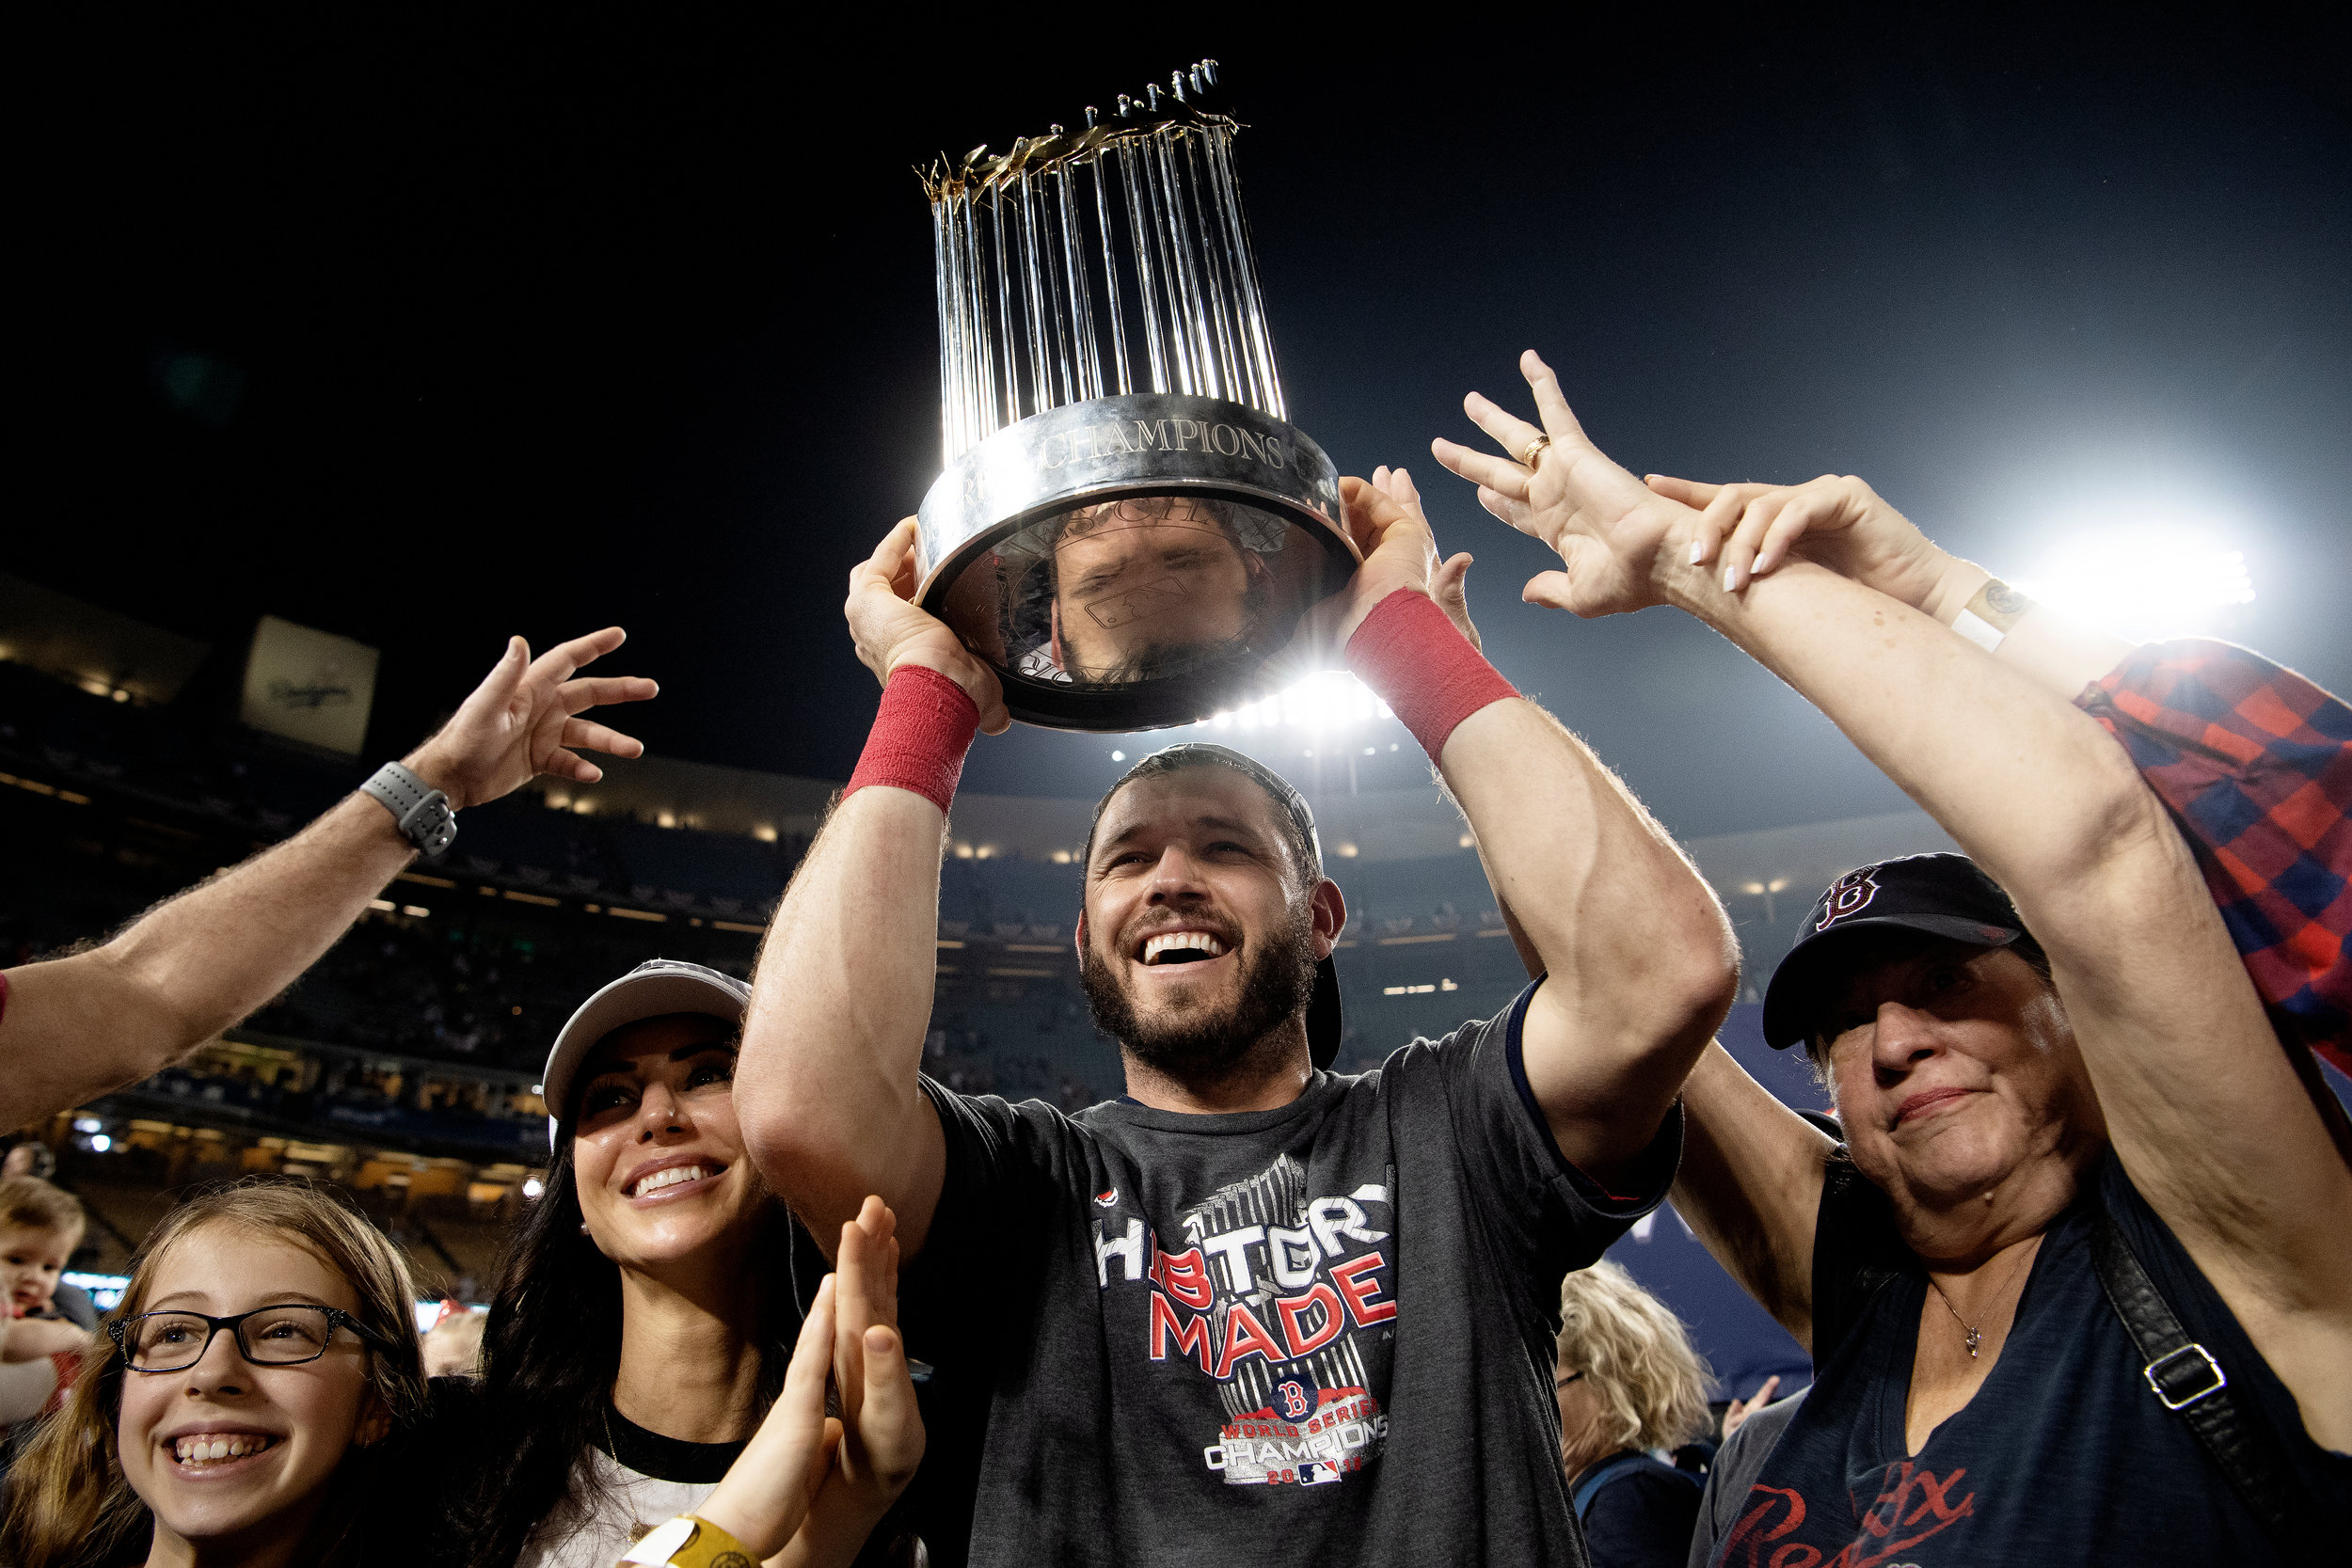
column 549, row 1354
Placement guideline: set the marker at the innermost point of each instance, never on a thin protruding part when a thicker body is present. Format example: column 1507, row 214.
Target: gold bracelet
column 686, row 1541
column 1992, row 614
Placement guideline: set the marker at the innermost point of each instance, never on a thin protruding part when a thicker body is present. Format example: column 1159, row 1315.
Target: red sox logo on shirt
column 1849, row 894
column 1282, row 1301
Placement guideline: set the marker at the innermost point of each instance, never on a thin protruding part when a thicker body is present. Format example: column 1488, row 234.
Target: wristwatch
column 422, row 811
column 686, row 1541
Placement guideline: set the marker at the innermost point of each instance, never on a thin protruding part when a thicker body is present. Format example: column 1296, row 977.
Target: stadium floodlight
column 2144, row 583
column 533, row 1186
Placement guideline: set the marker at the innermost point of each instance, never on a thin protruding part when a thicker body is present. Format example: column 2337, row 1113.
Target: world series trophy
column 1127, row 528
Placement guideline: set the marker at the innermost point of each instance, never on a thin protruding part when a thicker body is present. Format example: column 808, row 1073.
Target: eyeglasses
column 266, row 1336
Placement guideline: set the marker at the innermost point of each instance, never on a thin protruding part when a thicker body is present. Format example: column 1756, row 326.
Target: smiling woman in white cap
column 645, row 1313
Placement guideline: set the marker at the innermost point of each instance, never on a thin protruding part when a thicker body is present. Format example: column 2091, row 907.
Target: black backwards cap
column 1323, row 1010
column 1942, row 896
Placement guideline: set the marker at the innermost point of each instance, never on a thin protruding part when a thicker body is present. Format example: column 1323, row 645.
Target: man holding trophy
column 1254, row 1303
column 1253, row 1307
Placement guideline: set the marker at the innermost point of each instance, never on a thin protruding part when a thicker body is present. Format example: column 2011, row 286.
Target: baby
column 40, row 1227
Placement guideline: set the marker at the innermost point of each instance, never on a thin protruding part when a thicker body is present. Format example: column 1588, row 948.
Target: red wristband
column 1422, row 667
column 920, row 734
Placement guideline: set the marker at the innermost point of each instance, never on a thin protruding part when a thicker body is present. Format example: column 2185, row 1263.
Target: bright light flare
column 1327, row 700
column 2144, row 584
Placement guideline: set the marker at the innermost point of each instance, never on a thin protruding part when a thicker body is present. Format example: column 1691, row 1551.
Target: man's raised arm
column 110, row 1015
column 826, row 1082
column 1639, row 962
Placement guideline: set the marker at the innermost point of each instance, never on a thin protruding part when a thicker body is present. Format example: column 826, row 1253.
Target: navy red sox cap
column 1942, row 895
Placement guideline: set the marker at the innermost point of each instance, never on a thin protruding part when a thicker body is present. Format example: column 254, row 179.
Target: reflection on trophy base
column 1133, row 562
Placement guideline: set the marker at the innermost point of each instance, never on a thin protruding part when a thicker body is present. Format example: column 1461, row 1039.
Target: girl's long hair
column 551, row 1353
column 71, row 1505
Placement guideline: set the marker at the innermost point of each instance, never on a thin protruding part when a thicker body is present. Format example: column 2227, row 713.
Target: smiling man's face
column 1202, row 930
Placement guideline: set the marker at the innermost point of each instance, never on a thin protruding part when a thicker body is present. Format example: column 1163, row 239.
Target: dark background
column 426, row 330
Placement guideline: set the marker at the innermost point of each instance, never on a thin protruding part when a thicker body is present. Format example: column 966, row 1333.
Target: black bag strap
column 2189, row 1382
column 1856, row 1254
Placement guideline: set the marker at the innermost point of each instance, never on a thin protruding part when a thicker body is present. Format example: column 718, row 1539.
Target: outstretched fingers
column 1511, row 432
column 1501, row 476
column 1552, row 405
column 597, row 691
column 558, row 663
column 564, row 764
column 1514, row 514
column 586, row 735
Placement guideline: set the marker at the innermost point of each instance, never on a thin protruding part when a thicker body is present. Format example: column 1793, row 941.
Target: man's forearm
column 826, row 1084
column 193, row 966
column 833, row 1040
column 1638, row 955
column 1636, row 948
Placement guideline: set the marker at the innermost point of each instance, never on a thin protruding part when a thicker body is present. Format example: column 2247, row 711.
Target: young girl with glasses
column 262, row 1355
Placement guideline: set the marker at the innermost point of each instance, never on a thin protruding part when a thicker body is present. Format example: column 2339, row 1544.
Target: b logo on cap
column 1849, row 894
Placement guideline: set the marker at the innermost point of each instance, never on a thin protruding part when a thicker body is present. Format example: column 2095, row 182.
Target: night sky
column 441, row 329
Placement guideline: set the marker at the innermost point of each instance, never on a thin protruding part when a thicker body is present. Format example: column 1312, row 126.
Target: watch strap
column 422, row 813
column 686, row 1541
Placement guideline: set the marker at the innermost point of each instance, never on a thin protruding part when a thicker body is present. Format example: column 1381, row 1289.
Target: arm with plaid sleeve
column 2249, row 758
column 2254, row 762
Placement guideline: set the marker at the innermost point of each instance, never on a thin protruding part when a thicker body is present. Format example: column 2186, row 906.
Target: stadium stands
column 405, row 1066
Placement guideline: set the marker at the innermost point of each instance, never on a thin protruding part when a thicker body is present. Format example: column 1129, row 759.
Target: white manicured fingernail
column 1698, row 551
column 1731, row 579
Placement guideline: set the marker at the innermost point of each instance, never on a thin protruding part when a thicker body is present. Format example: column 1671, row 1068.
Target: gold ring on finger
column 1533, row 451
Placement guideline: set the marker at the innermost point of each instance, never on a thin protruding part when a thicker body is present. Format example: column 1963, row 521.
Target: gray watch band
column 421, row 811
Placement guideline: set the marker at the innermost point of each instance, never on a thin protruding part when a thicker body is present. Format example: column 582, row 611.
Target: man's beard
column 1280, row 982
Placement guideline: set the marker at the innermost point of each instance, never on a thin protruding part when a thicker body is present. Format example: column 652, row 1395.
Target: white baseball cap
column 654, row 988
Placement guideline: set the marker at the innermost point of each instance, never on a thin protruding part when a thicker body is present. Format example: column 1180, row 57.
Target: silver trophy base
column 1133, row 562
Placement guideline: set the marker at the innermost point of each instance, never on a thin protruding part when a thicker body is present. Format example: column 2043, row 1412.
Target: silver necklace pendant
column 1972, row 1339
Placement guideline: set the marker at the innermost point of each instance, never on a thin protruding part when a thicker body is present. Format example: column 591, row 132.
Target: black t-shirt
column 1641, row 1517
column 2064, row 1454
column 1322, row 1333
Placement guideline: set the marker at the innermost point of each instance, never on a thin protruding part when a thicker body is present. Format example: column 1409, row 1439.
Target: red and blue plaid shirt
column 2256, row 763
